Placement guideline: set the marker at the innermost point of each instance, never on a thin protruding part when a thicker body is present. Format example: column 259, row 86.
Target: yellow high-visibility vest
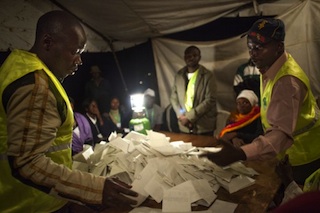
column 14, row 195
column 306, row 146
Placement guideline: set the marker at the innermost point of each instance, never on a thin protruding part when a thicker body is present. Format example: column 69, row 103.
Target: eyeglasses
column 256, row 46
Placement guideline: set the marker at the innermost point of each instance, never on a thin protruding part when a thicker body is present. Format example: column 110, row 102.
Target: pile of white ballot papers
column 167, row 172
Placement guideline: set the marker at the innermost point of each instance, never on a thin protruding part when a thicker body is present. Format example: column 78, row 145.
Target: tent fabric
column 221, row 57
column 141, row 19
column 18, row 24
column 119, row 24
column 124, row 23
column 224, row 56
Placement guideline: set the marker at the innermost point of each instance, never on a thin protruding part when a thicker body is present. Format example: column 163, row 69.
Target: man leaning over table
column 36, row 123
column 289, row 113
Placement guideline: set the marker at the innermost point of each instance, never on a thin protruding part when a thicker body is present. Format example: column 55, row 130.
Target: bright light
column 137, row 102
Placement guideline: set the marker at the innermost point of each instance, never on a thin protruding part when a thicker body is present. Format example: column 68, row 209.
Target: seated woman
column 99, row 132
column 116, row 119
column 245, row 124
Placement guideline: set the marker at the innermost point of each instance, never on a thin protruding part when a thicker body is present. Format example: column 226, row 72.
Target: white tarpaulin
column 125, row 23
column 223, row 57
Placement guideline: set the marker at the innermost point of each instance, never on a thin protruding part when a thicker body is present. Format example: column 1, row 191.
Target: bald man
column 36, row 122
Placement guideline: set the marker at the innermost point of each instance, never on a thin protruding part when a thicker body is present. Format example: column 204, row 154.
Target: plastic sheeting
column 223, row 57
column 124, row 23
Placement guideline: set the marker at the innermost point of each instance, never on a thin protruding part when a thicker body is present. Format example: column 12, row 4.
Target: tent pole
column 119, row 67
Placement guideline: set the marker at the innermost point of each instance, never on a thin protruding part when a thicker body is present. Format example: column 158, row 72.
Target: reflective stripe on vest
column 58, row 148
column 309, row 126
column 305, row 147
column 30, row 199
column 51, row 149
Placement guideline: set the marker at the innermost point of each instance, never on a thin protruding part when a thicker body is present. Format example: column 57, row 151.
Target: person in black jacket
column 117, row 119
column 99, row 132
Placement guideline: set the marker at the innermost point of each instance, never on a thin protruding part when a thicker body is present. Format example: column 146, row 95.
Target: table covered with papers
column 164, row 168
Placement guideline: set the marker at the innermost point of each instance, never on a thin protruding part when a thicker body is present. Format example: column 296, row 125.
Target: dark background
column 137, row 63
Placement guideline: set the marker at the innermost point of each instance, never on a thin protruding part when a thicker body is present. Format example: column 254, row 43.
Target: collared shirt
column 94, row 120
column 287, row 97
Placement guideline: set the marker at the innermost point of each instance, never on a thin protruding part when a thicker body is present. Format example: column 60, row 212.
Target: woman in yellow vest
column 289, row 113
column 36, row 123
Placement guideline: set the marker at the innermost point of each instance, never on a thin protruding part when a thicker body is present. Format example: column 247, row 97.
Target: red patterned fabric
column 241, row 121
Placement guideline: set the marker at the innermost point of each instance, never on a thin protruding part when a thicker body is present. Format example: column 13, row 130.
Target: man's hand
column 237, row 142
column 284, row 170
column 114, row 192
column 228, row 154
column 184, row 120
column 228, row 136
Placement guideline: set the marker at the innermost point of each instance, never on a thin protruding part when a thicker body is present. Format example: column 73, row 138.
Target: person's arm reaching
column 283, row 109
column 228, row 154
column 114, row 192
column 33, row 120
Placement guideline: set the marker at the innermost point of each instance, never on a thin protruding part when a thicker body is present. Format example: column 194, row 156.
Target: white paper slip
column 242, row 169
column 135, row 136
column 120, row 143
column 155, row 188
column 176, row 201
column 84, row 156
column 211, row 149
column 205, row 150
column 143, row 209
column 223, row 206
column 236, row 183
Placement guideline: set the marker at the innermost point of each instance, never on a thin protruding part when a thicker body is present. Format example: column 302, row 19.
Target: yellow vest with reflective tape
column 312, row 183
column 14, row 195
column 306, row 146
column 190, row 91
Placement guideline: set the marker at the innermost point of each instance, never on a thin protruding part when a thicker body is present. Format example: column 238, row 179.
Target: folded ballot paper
column 170, row 173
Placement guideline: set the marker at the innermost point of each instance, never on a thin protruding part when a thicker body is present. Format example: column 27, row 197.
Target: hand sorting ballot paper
column 203, row 150
column 140, row 167
column 225, row 154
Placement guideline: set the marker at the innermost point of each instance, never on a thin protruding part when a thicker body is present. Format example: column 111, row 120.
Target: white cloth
column 224, row 56
column 250, row 96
